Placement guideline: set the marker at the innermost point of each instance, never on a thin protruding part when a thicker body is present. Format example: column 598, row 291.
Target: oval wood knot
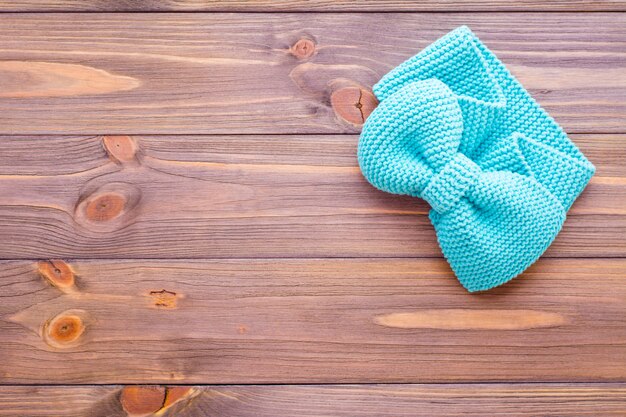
column 65, row 329
column 144, row 400
column 121, row 149
column 107, row 204
column 105, row 207
column 303, row 49
column 57, row 273
column 353, row 104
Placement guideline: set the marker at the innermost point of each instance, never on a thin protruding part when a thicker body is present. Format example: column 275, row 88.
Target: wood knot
column 164, row 299
column 121, row 149
column 353, row 104
column 142, row 400
column 65, row 329
column 103, row 205
column 176, row 394
column 57, row 273
column 303, row 49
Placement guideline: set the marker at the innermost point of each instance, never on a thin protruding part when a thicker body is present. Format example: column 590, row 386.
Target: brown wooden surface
column 323, row 320
column 310, row 5
column 245, row 196
column 230, row 239
column 450, row 400
column 122, row 73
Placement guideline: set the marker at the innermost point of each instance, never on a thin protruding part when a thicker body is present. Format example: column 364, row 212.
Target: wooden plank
column 309, row 5
column 307, row 321
column 427, row 400
column 275, row 73
column 245, row 196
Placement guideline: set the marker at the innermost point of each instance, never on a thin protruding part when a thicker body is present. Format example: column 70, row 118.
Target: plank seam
column 235, row 134
column 316, row 258
column 331, row 384
column 621, row 9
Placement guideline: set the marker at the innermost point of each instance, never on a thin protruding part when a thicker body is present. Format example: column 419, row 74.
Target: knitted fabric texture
column 455, row 128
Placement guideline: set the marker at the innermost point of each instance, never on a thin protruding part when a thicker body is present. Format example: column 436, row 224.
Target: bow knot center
column 451, row 183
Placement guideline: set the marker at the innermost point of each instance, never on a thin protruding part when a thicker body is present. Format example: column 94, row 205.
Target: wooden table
column 184, row 229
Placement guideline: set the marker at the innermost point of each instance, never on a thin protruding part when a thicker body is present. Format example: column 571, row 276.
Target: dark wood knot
column 145, row 400
column 121, row 149
column 303, row 49
column 142, row 400
column 107, row 206
column 58, row 273
column 353, row 104
column 65, row 329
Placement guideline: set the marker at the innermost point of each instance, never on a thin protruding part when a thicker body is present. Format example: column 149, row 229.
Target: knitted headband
column 455, row 128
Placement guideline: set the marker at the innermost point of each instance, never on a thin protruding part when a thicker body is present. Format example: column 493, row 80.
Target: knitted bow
column 455, row 128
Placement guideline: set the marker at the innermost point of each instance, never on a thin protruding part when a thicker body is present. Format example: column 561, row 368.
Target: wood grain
column 310, row 5
column 121, row 73
column 244, row 196
column 274, row 229
column 424, row 400
column 305, row 321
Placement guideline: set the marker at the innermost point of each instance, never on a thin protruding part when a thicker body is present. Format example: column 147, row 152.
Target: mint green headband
column 455, row 128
